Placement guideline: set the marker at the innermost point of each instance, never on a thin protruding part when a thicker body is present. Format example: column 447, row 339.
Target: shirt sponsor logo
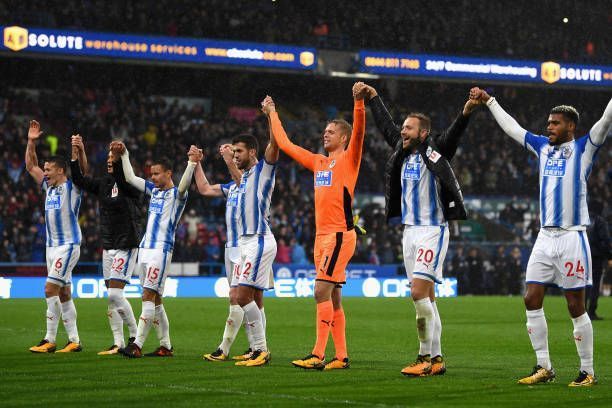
column 232, row 199
column 554, row 168
column 323, row 178
column 412, row 171
column 157, row 205
column 53, row 202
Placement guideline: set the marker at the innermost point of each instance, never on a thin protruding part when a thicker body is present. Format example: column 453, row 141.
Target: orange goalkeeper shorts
column 332, row 253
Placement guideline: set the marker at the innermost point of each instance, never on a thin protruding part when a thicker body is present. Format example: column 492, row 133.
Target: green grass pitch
column 484, row 340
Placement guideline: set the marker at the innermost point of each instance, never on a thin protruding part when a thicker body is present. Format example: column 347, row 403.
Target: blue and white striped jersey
column 564, row 170
column 254, row 196
column 230, row 192
column 421, row 203
column 62, row 205
column 165, row 210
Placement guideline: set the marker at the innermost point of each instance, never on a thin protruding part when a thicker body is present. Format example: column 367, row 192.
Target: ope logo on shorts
column 555, row 167
column 323, row 178
column 157, row 205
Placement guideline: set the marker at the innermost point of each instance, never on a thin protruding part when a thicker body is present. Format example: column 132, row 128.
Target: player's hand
column 227, row 152
column 470, row 106
column 359, row 90
column 117, row 148
column 267, row 105
column 479, row 95
column 194, row 154
column 370, row 92
column 34, row 131
column 77, row 142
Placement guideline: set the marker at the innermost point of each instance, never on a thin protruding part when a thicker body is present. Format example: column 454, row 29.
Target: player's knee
column 51, row 291
column 64, row 294
column 532, row 302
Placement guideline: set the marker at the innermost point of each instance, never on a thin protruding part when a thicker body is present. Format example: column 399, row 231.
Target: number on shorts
column 247, row 269
column 58, row 264
column 118, row 264
column 152, row 273
column 427, row 255
column 570, row 268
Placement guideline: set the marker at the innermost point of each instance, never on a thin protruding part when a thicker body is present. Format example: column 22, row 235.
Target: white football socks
column 162, row 327
column 538, row 334
column 583, row 336
column 257, row 331
column 232, row 326
column 54, row 312
column 144, row 324
column 116, row 324
column 116, row 297
column 69, row 317
column 436, row 335
column 424, row 320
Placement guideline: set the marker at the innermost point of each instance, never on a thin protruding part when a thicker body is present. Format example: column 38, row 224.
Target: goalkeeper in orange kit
column 334, row 177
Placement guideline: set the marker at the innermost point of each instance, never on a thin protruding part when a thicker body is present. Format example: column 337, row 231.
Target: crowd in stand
column 487, row 163
column 562, row 30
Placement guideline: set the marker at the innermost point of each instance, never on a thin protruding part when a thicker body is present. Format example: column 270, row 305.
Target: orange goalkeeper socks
column 325, row 316
column 339, row 334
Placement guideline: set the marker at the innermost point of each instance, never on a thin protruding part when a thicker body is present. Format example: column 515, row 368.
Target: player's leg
column 438, row 367
column 540, row 272
column 258, row 253
column 427, row 246
column 125, row 264
column 236, row 314
column 338, row 330
column 53, row 315
column 160, row 321
column 338, row 326
column 577, row 273
column 114, row 319
column 69, row 313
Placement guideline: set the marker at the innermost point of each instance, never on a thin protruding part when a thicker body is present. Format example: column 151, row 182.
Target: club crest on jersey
column 555, row 167
column 432, row 154
column 323, row 178
column 114, row 191
column 566, row 152
column 332, row 164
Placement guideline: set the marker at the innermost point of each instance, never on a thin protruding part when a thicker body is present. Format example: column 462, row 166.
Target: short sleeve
column 226, row 187
column 534, row 143
column 149, row 186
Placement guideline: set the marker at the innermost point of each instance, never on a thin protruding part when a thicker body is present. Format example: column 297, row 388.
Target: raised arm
column 119, row 149
column 279, row 137
column 77, row 142
column 204, row 187
column 355, row 146
column 227, row 152
column 188, row 173
column 31, row 160
column 448, row 141
column 272, row 150
column 602, row 127
column 508, row 124
column 123, row 185
column 382, row 117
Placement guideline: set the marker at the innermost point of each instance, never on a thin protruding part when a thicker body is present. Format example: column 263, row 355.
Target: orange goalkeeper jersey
column 334, row 178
